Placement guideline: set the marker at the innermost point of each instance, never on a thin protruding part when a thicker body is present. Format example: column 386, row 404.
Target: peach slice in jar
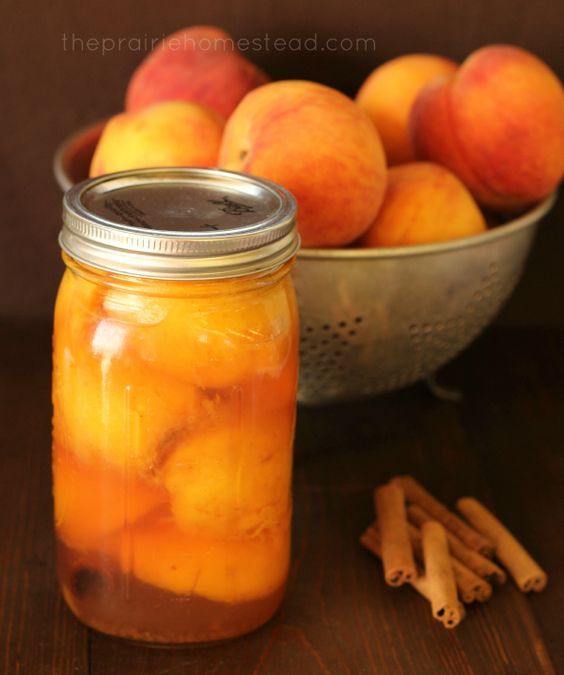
column 275, row 389
column 267, row 393
column 95, row 499
column 234, row 478
column 213, row 340
column 77, row 311
column 108, row 404
column 223, row 569
column 120, row 411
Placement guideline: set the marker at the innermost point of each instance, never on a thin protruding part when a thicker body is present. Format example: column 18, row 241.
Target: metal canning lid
column 179, row 223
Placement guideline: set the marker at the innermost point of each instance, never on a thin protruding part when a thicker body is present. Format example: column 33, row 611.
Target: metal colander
column 374, row 320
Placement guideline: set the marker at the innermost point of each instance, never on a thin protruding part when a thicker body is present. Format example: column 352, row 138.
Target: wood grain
column 503, row 444
column 38, row 634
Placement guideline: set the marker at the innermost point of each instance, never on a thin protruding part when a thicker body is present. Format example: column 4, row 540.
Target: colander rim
column 525, row 220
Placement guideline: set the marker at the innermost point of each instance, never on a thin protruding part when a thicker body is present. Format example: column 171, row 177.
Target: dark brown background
column 47, row 92
column 502, row 443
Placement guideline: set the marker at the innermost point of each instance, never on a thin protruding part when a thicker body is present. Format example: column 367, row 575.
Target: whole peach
column 498, row 123
column 389, row 92
column 173, row 133
column 424, row 203
column 318, row 144
column 200, row 64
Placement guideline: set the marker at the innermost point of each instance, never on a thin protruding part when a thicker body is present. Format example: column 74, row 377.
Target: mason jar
column 174, row 393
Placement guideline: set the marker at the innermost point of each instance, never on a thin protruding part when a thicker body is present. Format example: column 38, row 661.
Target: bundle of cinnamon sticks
column 446, row 558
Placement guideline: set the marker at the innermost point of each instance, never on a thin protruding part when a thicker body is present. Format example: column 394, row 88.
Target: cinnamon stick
column 440, row 576
column 417, row 494
column 474, row 561
column 397, row 554
column 470, row 586
column 370, row 539
column 527, row 574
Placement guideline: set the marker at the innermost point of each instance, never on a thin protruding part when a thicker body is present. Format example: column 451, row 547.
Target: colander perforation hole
column 430, row 342
column 325, row 354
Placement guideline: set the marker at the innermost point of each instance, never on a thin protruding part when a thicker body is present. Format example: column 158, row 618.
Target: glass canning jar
column 174, row 393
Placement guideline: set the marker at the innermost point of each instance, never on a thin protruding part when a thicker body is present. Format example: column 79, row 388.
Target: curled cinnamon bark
column 440, row 576
column 397, row 554
column 370, row 539
column 528, row 575
column 474, row 561
column 470, row 586
column 417, row 494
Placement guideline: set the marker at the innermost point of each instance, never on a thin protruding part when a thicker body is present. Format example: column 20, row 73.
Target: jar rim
column 179, row 223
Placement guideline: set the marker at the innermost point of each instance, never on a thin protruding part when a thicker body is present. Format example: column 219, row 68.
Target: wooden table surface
column 503, row 444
